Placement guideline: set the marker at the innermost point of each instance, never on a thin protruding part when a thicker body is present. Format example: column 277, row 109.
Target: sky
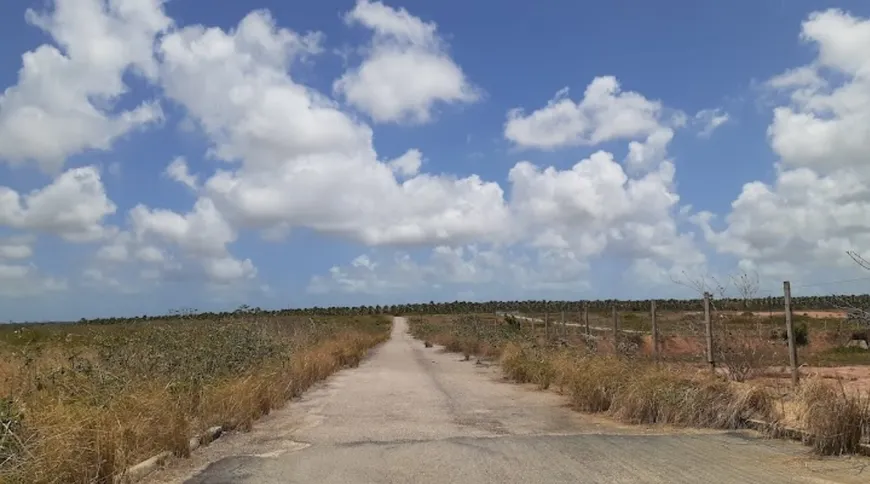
column 158, row 155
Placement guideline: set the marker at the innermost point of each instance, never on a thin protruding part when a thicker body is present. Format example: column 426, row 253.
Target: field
column 81, row 402
column 750, row 380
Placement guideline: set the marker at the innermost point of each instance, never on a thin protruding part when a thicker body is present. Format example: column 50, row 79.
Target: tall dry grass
column 838, row 422
column 82, row 409
column 639, row 391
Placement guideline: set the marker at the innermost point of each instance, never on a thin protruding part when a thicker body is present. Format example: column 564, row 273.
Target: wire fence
column 775, row 334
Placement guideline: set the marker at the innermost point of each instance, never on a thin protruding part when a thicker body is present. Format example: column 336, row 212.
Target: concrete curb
column 147, row 466
column 780, row 431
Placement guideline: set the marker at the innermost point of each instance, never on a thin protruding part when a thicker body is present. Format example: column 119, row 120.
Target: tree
column 747, row 287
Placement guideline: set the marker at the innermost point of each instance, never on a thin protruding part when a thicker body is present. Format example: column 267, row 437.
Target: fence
column 733, row 342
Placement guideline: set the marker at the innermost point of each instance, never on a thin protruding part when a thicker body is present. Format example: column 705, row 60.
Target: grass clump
column 528, row 365
column 837, row 421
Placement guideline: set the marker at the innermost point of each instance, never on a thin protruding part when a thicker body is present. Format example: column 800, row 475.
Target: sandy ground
column 417, row 415
column 854, row 379
column 811, row 314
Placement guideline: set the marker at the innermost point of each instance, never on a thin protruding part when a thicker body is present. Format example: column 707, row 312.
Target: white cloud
column 202, row 233
column 16, row 248
column 150, row 254
column 406, row 71
column 97, row 278
column 303, row 162
column 595, row 206
column 116, row 250
column 288, row 157
column 73, row 206
column 225, row 270
column 710, row 120
column 408, row 164
column 819, row 205
column 178, row 171
column 17, row 280
column 62, row 102
column 464, row 266
column 604, row 114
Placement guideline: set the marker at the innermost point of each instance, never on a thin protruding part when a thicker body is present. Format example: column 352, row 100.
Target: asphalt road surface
column 410, row 414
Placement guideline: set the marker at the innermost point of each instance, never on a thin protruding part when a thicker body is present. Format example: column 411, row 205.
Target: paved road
column 411, row 414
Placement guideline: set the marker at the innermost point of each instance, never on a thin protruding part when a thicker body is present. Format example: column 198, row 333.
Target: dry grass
column 637, row 392
column 836, row 419
column 83, row 409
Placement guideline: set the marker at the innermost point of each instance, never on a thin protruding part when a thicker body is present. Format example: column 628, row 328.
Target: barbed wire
column 778, row 291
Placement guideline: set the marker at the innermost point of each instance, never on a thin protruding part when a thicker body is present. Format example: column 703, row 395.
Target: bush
column 801, row 334
column 835, row 420
column 744, row 356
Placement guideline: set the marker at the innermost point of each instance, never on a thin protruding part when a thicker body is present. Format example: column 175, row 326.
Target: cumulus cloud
column 406, row 71
column 302, row 161
column 203, row 233
column 288, row 157
column 605, row 113
column 596, row 206
column 819, row 204
column 62, row 102
column 73, row 206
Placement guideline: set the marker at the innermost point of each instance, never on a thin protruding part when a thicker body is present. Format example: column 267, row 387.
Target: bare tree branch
column 747, row 286
column 864, row 263
column 855, row 313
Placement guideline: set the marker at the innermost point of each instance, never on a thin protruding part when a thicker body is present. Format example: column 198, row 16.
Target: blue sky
column 157, row 155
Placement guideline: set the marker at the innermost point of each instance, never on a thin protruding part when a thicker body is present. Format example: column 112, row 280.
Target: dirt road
column 416, row 415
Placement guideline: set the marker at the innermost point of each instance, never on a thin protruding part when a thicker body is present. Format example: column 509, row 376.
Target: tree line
column 803, row 303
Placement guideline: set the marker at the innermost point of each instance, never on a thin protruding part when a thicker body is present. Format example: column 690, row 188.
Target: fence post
column 655, row 329
column 586, row 318
column 547, row 325
column 564, row 327
column 789, row 329
column 615, row 328
column 708, row 323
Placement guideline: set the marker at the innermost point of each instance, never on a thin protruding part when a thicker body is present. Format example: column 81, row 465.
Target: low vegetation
column 79, row 403
column 837, row 421
column 631, row 387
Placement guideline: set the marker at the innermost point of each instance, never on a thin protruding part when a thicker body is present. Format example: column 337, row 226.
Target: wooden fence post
column 708, row 323
column 615, row 328
column 547, row 325
column 655, row 329
column 789, row 329
column 564, row 327
column 586, row 318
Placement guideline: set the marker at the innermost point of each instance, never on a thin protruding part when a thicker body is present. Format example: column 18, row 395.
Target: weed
column 835, row 419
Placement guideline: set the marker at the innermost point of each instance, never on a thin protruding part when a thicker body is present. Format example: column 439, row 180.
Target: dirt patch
column 681, row 346
column 809, row 314
column 855, row 379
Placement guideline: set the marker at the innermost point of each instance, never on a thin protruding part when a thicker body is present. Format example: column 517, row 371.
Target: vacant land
column 410, row 414
column 621, row 377
column 79, row 403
